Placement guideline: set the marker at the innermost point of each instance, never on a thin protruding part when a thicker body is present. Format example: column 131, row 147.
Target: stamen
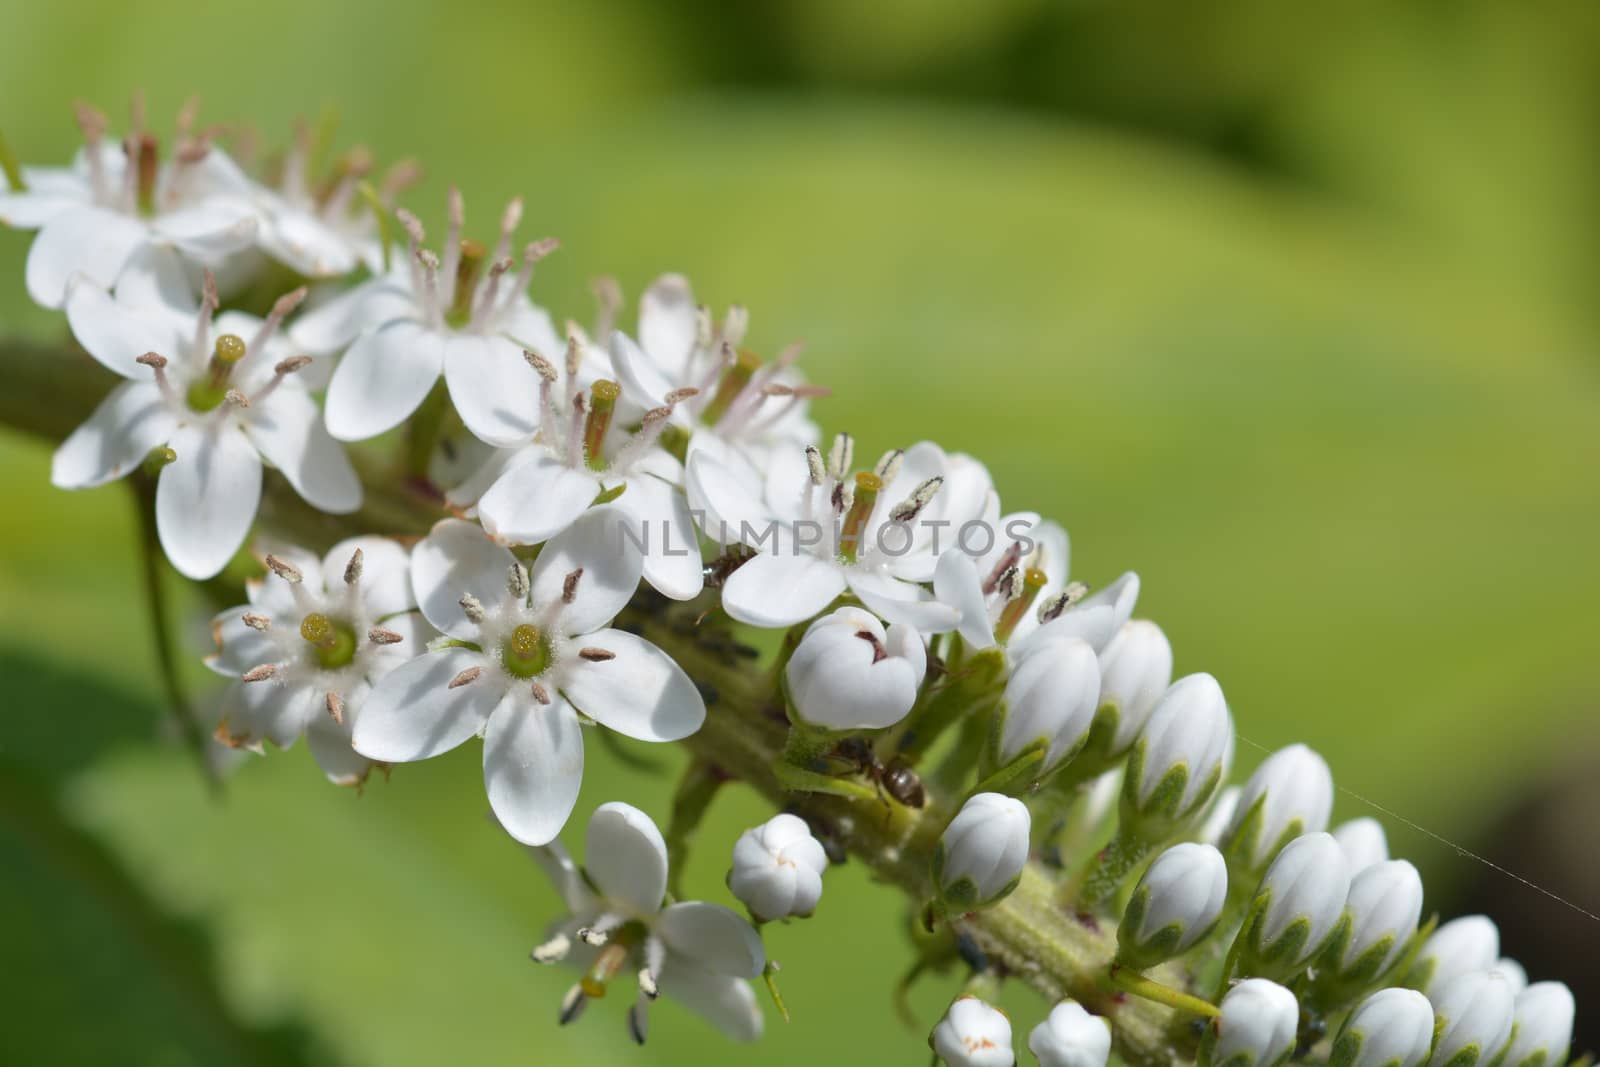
column 593, row 936
column 1026, row 590
column 576, row 423
column 336, row 707
column 281, row 309
column 93, row 126
column 472, row 608
column 572, row 1004
column 284, row 569
column 510, row 219
column 889, row 465
column 909, row 508
column 1074, row 592
column 466, row 677
column 603, row 396
column 541, row 694
column 867, row 488
column 814, row 465
column 285, row 367
column 608, row 301
column 158, row 366
column 209, row 303
column 545, row 369
column 739, row 371
column 647, row 983
column 879, row 653
column 352, row 570
column 379, row 636
column 596, row 655
column 457, row 214
column 1008, row 560
column 638, row 1021
column 531, row 255
column 256, row 622
column 735, row 324
column 569, row 587
column 842, row 456
column 517, row 581
column 259, row 673
column 552, row 951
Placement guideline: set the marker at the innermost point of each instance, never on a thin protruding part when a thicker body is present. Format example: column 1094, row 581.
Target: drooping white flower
column 1219, row 816
column 1298, row 908
column 1050, row 700
column 777, row 869
column 1177, row 761
column 223, row 392
column 1175, row 905
column 1364, row 842
column 973, row 1034
column 1391, row 1028
column 1257, row 1027
column 1071, row 1037
column 982, row 852
column 116, row 200
column 819, row 530
column 850, row 672
column 1474, row 1014
column 1460, row 946
column 1543, row 1017
column 584, row 454
column 697, row 953
column 1290, row 794
column 1383, row 909
column 464, row 315
column 529, row 652
column 308, row 647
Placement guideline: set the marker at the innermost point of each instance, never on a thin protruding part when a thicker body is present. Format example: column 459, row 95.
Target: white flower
column 1544, row 1016
column 118, row 199
column 529, row 652
column 699, row 954
column 462, row 317
column 314, row 639
column 1363, row 841
column 583, row 454
column 1512, row 971
column 1290, row 794
column 1391, row 1028
column 1299, row 906
column 1001, row 578
column 973, row 1034
column 1071, row 1037
column 1384, row 906
column 1257, row 1027
column 819, row 530
column 1178, row 759
column 851, row 673
column 1460, row 946
column 738, row 401
column 1474, row 1016
column 1219, row 816
column 777, row 869
column 223, row 395
column 982, row 852
column 1174, row 906
column 1050, row 700
column 1135, row 670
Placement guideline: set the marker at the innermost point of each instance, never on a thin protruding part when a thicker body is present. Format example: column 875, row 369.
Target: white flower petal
column 957, row 584
column 210, row 230
column 454, row 559
column 269, row 710
column 896, row 601
column 382, row 379
column 307, row 244
column 559, row 866
column 116, row 334
column 330, row 747
column 156, row 279
column 532, row 766
column 385, row 573
column 641, row 378
column 415, row 633
column 334, row 323
column 239, row 647
column 494, row 390
column 778, row 589
column 206, row 499
column 660, row 516
column 529, row 326
column 611, row 563
column 642, row 693
column 413, row 713
column 669, row 323
column 129, row 422
column 287, row 427
column 727, row 1003
column 82, row 240
column 713, row 937
column 623, row 852
column 34, row 208
column 536, row 499
column 725, row 496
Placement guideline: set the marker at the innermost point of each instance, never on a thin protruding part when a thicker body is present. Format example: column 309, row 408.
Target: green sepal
column 1159, row 947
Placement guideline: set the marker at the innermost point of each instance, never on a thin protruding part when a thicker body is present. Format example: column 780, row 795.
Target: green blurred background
column 1290, row 310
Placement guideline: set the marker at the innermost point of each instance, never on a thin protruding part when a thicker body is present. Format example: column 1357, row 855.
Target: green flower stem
column 1131, row 981
column 696, row 789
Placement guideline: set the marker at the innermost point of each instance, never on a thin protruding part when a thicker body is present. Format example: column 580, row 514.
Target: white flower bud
column 1299, row 906
column 1474, row 1016
column 777, row 869
column 1135, row 670
column 1219, row 816
column 1391, row 1028
column 1257, row 1027
column 1071, row 1037
column 982, row 852
column 1384, row 907
column 1051, row 699
column 1364, row 843
column 1544, row 1015
column 973, row 1034
column 1511, row 971
column 849, row 673
column 1177, row 761
column 1175, row 904
column 1290, row 794
column 1460, row 946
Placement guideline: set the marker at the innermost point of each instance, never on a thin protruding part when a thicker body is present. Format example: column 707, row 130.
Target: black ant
column 896, row 779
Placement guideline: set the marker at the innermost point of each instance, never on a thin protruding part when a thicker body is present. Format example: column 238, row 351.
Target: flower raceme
column 950, row 704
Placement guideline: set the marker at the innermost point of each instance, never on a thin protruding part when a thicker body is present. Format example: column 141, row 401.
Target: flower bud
column 1460, row 946
column 1177, row 761
column 973, row 1034
column 1383, row 909
column 1050, row 700
column 1298, row 907
column 1391, row 1028
column 1174, row 906
column 982, row 852
column 1543, row 1014
column 1474, row 1014
column 849, row 673
column 1257, row 1027
column 1219, row 816
column 1071, row 1037
column 1511, row 971
column 1135, row 670
column 1364, row 843
column 1290, row 794
column 777, row 869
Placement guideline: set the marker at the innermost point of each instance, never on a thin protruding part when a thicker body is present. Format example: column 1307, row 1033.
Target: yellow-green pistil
column 526, row 653
column 603, row 396
column 868, row 486
column 208, row 393
column 146, row 163
column 1033, row 580
column 468, row 268
column 333, row 641
column 731, row 384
